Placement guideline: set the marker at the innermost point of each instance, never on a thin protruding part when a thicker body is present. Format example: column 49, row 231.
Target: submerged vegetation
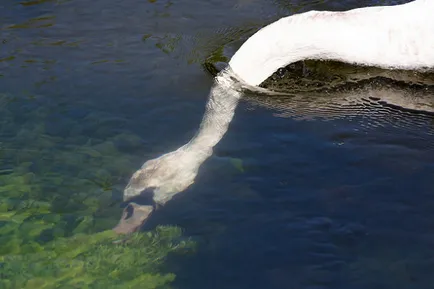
column 93, row 261
column 59, row 199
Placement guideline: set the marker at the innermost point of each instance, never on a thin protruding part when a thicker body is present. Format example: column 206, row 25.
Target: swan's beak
column 133, row 217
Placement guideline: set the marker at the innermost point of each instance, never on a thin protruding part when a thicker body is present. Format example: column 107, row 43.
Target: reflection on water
column 318, row 189
column 396, row 100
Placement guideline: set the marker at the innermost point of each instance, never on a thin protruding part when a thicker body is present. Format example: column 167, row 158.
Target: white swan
column 400, row 36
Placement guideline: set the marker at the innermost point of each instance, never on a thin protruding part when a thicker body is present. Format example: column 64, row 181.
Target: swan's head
column 164, row 177
column 158, row 180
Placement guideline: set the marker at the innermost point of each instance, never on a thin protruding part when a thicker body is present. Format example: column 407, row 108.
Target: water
column 295, row 196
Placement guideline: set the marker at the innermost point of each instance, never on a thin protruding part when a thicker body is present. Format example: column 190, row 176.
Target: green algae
column 75, row 256
column 60, row 191
column 93, row 261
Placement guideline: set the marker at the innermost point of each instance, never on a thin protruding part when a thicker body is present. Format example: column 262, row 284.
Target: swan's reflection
column 370, row 96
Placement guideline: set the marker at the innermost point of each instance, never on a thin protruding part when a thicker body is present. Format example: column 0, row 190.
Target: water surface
column 292, row 198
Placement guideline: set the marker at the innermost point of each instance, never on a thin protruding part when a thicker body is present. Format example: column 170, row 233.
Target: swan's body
column 399, row 36
column 390, row 37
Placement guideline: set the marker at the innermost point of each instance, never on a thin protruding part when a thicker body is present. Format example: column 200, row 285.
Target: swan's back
column 395, row 37
column 398, row 36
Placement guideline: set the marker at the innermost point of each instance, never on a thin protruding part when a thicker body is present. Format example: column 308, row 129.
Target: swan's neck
column 389, row 37
column 220, row 109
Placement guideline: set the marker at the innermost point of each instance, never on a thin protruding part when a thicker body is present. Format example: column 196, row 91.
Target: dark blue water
column 346, row 202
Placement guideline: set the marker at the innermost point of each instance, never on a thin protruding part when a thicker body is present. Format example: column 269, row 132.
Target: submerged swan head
column 160, row 179
column 165, row 176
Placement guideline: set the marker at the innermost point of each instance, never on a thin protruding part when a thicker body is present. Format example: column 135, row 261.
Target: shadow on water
column 323, row 187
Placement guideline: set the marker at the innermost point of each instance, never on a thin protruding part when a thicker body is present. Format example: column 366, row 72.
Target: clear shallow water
column 90, row 90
